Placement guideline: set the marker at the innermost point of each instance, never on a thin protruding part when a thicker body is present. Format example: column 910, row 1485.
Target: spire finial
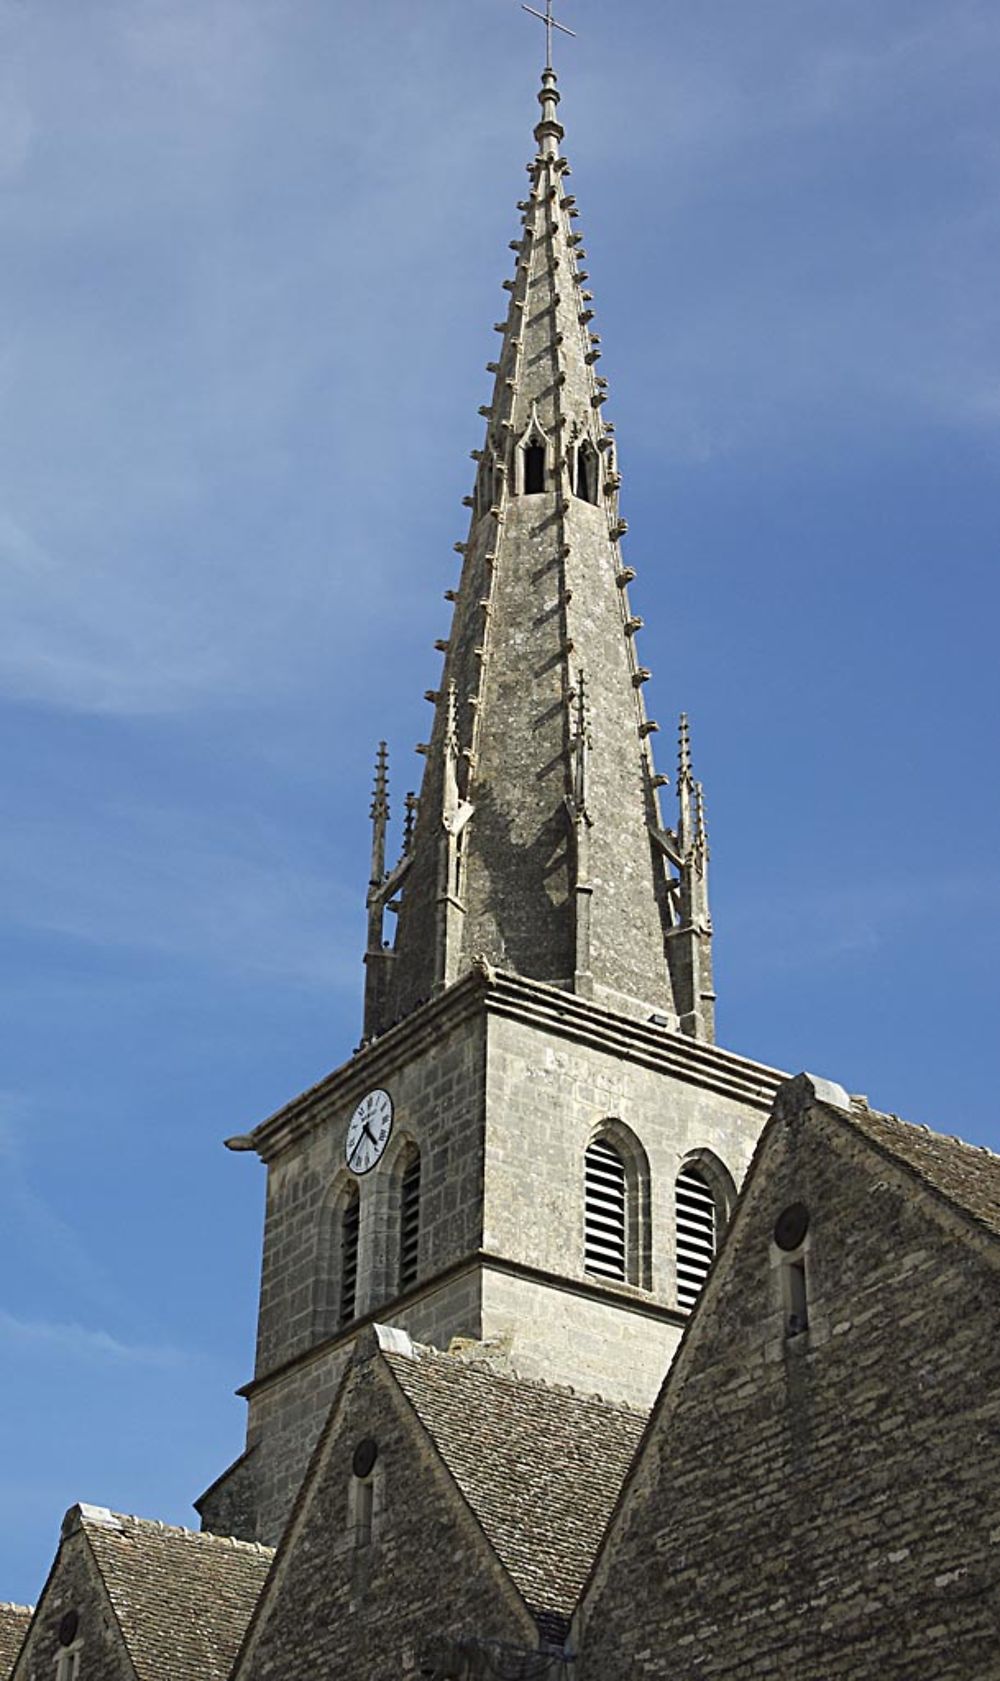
column 380, row 814
column 451, row 721
column 551, row 24
column 684, row 773
column 700, row 825
column 380, row 793
column 411, row 817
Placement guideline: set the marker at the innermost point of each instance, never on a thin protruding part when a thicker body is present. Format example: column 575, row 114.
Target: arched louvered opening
column 697, row 1234
column 586, row 473
column 350, row 1230
column 534, row 469
column 409, row 1221
column 606, row 1234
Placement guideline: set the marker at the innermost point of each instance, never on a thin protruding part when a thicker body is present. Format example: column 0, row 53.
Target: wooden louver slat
column 605, row 1212
column 350, row 1227
column 696, row 1235
column 409, row 1223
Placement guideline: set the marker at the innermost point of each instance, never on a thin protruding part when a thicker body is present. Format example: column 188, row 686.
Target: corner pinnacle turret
column 538, row 842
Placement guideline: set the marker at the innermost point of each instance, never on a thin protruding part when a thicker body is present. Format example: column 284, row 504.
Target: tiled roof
column 540, row 1466
column 182, row 1600
column 966, row 1174
column 14, row 1620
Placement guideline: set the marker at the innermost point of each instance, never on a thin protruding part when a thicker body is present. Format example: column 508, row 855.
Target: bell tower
column 535, row 1149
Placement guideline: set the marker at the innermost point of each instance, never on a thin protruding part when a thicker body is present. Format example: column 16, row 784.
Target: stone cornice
column 369, row 1066
column 691, row 1060
column 621, row 1296
column 493, row 992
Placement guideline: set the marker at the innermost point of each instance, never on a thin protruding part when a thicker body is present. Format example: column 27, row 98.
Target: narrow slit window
column 696, row 1234
column 534, row 469
column 350, row 1228
column 363, row 1508
column 586, row 473
column 791, row 1230
column 605, row 1212
column 409, row 1222
column 796, row 1297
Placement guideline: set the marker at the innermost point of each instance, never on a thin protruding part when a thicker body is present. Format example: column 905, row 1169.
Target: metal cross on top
column 550, row 23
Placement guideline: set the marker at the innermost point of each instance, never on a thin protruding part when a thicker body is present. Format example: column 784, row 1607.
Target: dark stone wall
column 229, row 1507
column 74, row 1586
column 821, row 1506
column 340, row 1606
column 439, row 1098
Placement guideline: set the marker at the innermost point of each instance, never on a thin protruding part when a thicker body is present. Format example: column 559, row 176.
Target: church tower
column 536, row 1147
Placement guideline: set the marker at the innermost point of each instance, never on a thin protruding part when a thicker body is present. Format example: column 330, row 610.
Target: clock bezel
column 381, row 1145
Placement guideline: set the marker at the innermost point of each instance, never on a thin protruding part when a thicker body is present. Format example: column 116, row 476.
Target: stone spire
column 538, row 843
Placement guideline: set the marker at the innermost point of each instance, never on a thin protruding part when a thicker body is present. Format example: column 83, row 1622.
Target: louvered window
column 696, row 1234
column 409, row 1222
column 605, row 1212
column 350, row 1225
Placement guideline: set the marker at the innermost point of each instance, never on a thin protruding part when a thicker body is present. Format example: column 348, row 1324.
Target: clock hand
column 366, row 1128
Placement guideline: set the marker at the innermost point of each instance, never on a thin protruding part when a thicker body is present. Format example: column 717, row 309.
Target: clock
column 368, row 1131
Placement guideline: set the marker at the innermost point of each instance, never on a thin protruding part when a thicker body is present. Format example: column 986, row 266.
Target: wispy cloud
column 80, row 1342
column 175, row 880
column 823, row 926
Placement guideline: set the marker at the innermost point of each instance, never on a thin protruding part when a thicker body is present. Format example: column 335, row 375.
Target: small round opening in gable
column 365, row 1455
column 68, row 1626
column 791, row 1226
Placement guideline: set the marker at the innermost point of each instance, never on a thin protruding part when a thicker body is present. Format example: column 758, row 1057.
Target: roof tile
column 183, row 1600
column 967, row 1175
column 540, row 1466
column 14, row 1620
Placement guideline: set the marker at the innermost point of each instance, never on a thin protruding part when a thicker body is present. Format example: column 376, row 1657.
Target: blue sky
column 250, row 255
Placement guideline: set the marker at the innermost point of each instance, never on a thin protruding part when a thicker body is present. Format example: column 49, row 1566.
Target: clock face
column 368, row 1131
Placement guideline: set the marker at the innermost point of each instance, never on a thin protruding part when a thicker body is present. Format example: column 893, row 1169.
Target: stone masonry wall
column 822, row 1506
column 287, row 1415
column 546, row 1098
column 438, row 1098
column 592, row 1345
column 338, row 1606
column 503, row 1111
column 75, row 1586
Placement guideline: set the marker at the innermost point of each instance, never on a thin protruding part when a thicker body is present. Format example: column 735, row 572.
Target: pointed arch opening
column 533, row 459
column 587, row 474
column 408, row 1217
column 704, row 1194
column 350, row 1233
column 616, row 1236
column 534, row 469
column 337, row 1274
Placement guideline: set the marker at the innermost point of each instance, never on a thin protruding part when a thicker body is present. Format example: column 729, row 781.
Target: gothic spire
column 538, row 843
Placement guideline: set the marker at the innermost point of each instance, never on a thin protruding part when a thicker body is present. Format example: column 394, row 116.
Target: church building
column 587, row 1349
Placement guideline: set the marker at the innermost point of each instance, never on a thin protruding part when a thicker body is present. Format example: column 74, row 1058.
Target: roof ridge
column 159, row 1526
column 12, row 1605
column 860, row 1105
column 513, row 1375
